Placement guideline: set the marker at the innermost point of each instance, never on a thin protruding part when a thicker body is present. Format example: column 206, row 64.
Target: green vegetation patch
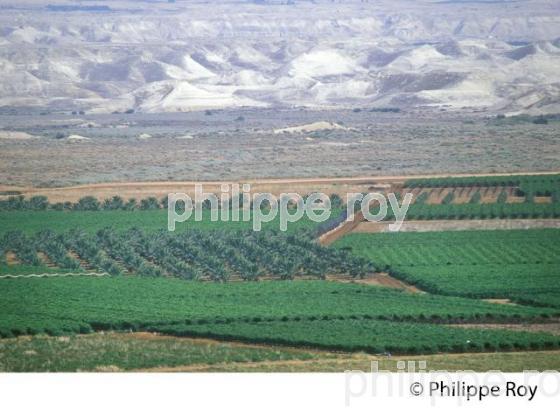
column 521, row 265
column 372, row 336
column 31, row 222
column 82, row 304
column 115, row 352
column 218, row 255
column 552, row 180
column 498, row 210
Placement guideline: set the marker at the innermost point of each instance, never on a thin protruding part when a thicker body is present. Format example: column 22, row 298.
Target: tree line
column 91, row 203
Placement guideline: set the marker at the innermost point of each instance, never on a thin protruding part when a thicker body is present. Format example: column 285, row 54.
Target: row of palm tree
column 217, row 255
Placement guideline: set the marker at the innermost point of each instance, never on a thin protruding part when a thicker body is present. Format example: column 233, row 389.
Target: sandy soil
column 341, row 230
column 380, row 279
column 86, row 266
column 463, row 195
column 500, row 301
column 412, row 143
column 11, row 259
column 543, row 200
column 376, row 279
column 384, row 279
column 45, row 259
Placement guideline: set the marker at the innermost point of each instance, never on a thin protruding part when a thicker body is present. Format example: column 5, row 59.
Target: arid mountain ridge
column 161, row 57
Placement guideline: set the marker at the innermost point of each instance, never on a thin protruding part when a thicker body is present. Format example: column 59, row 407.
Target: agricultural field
column 114, row 113
column 221, row 296
column 513, row 197
column 31, row 222
column 296, row 313
column 123, row 303
column 483, row 211
column 522, row 266
column 218, row 255
column 538, row 185
column 372, row 336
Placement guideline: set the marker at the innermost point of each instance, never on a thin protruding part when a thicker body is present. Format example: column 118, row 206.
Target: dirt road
column 275, row 186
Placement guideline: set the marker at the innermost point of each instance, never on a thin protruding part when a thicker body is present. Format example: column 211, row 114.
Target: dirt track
column 341, row 230
column 378, row 279
column 300, row 185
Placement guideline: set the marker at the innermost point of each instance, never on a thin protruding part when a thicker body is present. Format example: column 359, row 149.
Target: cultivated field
column 105, row 264
column 521, row 266
column 302, row 313
column 107, row 107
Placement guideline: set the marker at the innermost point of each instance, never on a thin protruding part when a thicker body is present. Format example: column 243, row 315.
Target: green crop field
column 530, row 210
column 59, row 305
column 524, row 187
column 458, row 248
column 373, row 336
column 146, row 288
column 308, row 313
column 542, row 183
column 31, row 222
column 523, row 265
column 523, row 283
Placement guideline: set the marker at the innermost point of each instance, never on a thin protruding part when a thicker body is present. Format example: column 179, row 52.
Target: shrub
column 116, row 202
column 87, row 203
column 149, row 203
column 475, row 199
column 38, row 203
